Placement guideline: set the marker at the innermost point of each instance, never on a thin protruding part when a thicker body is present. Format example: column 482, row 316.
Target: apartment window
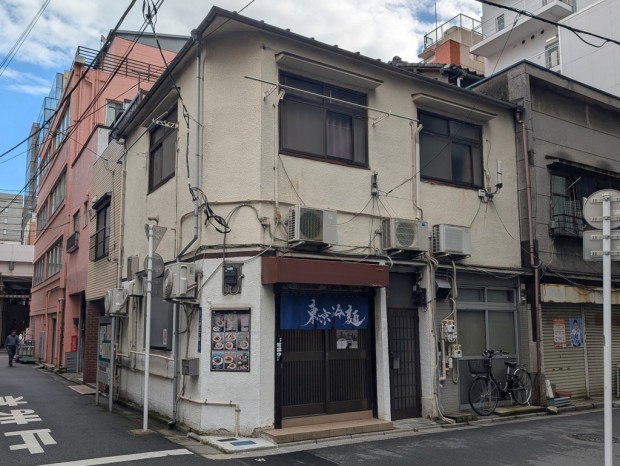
column 112, row 111
column 39, row 269
column 99, row 242
column 162, row 151
column 63, row 126
column 552, row 54
column 45, row 162
column 499, row 22
column 85, row 213
column 320, row 127
column 54, row 259
column 76, row 221
column 450, row 151
column 487, row 319
column 42, row 217
column 58, row 193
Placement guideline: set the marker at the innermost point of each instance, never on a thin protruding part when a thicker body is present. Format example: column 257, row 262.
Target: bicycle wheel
column 483, row 395
column 521, row 387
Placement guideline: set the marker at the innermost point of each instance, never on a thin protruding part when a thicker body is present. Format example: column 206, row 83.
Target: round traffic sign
column 593, row 208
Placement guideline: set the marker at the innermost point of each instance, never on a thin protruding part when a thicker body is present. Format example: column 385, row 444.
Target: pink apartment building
column 96, row 90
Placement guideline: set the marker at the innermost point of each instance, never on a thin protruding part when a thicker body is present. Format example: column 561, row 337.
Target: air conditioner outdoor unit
column 134, row 287
column 115, row 302
column 406, row 235
column 313, row 226
column 180, row 282
column 451, row 240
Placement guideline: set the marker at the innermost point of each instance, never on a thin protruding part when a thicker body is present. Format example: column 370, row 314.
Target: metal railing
column 459, row 21
column 121, row 65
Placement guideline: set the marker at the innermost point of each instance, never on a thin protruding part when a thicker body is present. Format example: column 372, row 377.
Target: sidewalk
column 227, row 447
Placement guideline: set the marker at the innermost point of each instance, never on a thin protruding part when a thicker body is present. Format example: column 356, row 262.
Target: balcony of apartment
column 497, row 29
column 119, row 65
column 462, row 29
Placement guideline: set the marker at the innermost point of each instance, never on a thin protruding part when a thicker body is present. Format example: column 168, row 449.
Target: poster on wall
column 559, row 333
column 230, row 341
column 576, row 333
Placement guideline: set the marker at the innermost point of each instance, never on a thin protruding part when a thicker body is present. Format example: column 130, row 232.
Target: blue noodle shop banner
column 323, row 312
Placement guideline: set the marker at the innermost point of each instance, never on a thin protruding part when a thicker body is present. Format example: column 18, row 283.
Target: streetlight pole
column 147, row 349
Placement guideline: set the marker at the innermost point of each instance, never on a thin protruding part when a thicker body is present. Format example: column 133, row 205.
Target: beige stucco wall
column 241, row 163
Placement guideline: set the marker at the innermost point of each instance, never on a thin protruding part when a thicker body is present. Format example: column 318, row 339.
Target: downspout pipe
column 530, row 233
column 175, row 334
column 197, row 40
column 417, row 169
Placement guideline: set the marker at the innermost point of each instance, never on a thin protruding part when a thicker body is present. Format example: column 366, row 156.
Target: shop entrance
column 324, row 370
column 405, row 391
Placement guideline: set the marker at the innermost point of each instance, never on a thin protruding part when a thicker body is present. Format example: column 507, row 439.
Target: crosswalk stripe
column 121, row 458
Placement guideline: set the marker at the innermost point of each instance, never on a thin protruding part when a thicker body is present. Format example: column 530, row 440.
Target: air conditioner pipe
column 533, row 264
column 197, row 39
column 230, row 404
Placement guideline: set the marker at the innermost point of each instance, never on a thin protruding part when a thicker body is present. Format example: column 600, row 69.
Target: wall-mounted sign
column 323, row 312
column 559, row 333
column 230, row 341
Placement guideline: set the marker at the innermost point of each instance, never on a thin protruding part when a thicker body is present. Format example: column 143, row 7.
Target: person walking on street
column 10, row 344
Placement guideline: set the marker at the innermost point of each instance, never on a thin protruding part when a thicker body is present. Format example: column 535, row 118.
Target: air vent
column 406, row 235
column 314, row 226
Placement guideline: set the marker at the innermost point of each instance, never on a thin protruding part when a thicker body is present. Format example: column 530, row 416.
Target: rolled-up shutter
column 564, row 367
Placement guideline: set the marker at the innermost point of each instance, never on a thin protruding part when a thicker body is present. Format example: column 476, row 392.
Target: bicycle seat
column 510, row 364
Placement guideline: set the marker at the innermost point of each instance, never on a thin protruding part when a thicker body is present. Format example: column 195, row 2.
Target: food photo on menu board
column 230, row 341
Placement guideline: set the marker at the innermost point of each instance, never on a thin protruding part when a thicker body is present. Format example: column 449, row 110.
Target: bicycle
column 485, row 389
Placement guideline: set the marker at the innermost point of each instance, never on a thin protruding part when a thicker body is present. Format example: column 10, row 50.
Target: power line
column 9, row 57
column 554, row 23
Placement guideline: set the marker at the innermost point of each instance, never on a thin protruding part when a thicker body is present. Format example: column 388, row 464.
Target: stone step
column 327, row 430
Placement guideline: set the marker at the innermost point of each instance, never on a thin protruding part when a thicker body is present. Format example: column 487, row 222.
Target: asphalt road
column 43, row 421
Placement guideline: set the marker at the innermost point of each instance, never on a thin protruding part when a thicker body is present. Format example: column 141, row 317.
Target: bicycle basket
column 479, row 366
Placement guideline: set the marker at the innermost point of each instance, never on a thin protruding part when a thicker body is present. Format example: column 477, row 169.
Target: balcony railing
column 116, row 64
column 569, row 220
column 459, row 21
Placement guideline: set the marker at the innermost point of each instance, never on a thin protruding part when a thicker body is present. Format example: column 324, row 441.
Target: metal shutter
column 564, row 367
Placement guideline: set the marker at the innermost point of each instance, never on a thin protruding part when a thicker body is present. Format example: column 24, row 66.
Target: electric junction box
column 190, row 366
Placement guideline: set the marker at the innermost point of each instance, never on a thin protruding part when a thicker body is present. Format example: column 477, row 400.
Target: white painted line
column 121, row 458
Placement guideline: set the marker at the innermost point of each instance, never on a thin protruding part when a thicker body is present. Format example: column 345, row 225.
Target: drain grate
column 592, row 437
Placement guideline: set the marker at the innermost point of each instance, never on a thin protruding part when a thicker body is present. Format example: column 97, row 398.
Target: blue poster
column 323, row 312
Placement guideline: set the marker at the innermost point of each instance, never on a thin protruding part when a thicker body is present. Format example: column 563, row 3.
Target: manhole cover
column 596, row 438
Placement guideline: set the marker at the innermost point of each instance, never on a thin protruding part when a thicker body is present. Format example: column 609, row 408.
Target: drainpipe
column 533, row 263
column 61, row 310
column 197, row 39
column 175, row 337
column 230, row 404
column 417, row 170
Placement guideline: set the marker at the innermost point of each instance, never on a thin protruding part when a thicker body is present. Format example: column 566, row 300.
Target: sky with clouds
column 378, row 29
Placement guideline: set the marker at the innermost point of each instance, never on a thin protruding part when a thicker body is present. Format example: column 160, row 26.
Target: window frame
column 552, row 54
column 488, row 307
column 54, row 259
column 326, row 109
column 500, row 22
column 446, row 140
column 100, row 241
column 159, row 143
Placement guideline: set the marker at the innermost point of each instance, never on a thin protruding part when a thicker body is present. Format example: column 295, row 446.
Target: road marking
column 121, row 458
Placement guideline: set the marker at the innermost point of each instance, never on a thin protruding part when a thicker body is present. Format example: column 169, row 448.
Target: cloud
column 24, row 82
column 375, row 28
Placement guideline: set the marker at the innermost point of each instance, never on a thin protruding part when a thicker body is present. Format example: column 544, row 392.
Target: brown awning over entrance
column 321, row 272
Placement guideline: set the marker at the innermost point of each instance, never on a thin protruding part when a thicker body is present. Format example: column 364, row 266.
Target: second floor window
column 54, row 259
column 552, row 54
column 321, row 127
column 499, row 22
column 100, row 241
column 450, row 151
column 162, row 151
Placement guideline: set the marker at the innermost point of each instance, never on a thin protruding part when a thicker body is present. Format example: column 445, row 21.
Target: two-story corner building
column 567, row 141
column 327, row 218
column 94, row 92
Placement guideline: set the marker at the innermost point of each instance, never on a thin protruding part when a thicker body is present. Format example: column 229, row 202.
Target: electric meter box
column 189, row 366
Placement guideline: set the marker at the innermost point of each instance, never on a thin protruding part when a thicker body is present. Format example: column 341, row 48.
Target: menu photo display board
column 230, row 341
